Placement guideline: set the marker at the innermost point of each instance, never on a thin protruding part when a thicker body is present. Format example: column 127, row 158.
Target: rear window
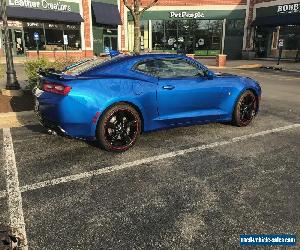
column 83, row 66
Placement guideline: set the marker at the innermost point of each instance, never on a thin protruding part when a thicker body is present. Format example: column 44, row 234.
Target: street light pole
column 12, row 82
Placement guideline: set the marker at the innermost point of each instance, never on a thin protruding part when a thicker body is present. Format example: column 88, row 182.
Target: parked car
column 116, row 100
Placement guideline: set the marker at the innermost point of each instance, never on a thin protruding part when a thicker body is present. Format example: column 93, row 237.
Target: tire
column 119, row 128
column 245, row 109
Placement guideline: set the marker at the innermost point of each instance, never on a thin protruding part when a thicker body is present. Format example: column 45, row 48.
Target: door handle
column 168, row 87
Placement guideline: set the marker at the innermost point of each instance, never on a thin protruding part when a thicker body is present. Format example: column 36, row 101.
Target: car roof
column 123, row 63
column 154, row 56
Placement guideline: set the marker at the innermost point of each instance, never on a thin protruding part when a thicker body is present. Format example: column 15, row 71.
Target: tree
column 135, row 10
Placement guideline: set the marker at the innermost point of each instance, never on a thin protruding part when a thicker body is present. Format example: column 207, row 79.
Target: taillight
column 56, row 88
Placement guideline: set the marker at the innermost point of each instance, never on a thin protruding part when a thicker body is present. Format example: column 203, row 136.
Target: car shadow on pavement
column 18, row 103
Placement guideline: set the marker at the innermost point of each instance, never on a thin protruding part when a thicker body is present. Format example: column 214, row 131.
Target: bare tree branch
column 148, row 6
column 128, row 6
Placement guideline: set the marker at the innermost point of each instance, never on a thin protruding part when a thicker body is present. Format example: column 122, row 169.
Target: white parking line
column 16, row 217
column 156, row 158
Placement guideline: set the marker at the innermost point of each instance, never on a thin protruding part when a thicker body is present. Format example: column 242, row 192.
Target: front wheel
column 119, row 128
column 245, row 109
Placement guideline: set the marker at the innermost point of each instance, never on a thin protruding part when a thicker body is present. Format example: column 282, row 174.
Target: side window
column 169, row 68
column 181, row 68
column 149, row 67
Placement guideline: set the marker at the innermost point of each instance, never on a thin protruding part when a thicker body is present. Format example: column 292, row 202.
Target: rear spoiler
column 53, row 73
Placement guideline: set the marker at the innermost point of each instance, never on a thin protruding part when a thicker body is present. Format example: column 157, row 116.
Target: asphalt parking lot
column 197, row 187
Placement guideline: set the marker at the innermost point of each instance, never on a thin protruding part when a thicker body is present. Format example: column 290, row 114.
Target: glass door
column 16, row 36
column 110, row 42
column 18, row 42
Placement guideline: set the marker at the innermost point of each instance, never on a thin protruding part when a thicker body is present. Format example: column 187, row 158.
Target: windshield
column 82, row 66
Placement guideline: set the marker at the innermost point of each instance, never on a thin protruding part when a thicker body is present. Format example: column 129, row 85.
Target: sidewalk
column 284, row 65
column 20, row 70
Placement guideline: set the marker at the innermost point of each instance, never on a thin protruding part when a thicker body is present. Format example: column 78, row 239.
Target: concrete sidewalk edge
column 17, row 119
column 251, row 66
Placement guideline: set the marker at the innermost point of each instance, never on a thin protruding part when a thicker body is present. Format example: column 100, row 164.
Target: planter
column 191, row 55
column 221, row 60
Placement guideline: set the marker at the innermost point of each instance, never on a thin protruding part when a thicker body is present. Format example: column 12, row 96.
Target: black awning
column 277, row 20
column 44, row 15
column 106, row 13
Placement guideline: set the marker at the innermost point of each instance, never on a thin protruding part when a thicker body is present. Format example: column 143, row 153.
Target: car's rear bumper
column 65, row 114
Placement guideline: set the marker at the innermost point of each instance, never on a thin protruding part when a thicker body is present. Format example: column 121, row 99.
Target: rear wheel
column 245, row 109
column 119, row 128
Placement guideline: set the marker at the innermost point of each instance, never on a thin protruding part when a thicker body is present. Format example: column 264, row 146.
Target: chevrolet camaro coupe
column 116, row 100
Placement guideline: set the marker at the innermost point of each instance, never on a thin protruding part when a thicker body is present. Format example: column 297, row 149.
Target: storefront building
column 50, row 21
column 106, row 19
column 203, row 28
column 276, row 21
column 63, row 28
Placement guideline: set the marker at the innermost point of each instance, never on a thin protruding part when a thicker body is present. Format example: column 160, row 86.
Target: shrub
column 32, row 66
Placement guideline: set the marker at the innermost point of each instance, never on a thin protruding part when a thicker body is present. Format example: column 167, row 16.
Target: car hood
column 228, row 75
column 221, row 74
column 247, row 81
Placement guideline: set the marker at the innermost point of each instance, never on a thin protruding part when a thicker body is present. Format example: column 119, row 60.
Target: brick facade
column 52, row 54
column 86, row 5
column 87, row 39
column 252, row 5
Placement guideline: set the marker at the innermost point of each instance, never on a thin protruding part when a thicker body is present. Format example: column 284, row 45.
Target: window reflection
column 202, row 37
column 51, row 36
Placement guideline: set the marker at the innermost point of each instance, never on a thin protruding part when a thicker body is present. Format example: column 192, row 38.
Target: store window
column 54, row 37
column 74, row 38
column 29, row 29
column 202, row 37
column 291, row 36
column 158, row 35
column 51, row 36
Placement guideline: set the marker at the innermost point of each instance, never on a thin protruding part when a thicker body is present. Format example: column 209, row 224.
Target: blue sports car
column 116, row 100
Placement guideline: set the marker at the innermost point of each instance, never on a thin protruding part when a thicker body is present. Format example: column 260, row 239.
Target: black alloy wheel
column 245, row 109
column 119, row 128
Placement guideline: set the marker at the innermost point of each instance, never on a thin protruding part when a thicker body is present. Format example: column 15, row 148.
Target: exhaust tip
column 51, row 132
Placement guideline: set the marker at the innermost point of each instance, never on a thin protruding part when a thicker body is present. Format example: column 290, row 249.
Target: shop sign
column 41, row 4
column 36, row 36
column 288, row 8
column 280, row 43
column 185, row 14
column 15, row 24
column 66, row 42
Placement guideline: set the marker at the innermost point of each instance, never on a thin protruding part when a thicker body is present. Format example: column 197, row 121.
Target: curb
column 245, row 66
column 250, row 66
column 291, row 70
column 17, row 119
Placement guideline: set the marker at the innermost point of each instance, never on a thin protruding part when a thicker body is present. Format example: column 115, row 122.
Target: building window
column 202, row 37
column 52, row 36
column 29, row 29
column 73, row 39
column 291, row 36
column 158, row 35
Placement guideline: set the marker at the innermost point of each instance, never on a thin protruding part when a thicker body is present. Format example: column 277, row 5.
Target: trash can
column 221, row 60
